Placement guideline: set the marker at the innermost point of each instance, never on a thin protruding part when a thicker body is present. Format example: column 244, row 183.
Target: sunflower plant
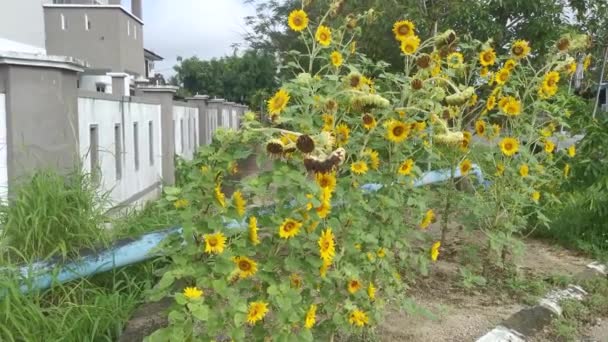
column 316, row 242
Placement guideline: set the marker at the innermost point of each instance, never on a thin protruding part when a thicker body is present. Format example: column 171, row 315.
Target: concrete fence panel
column 3, row 150
column 186, row 128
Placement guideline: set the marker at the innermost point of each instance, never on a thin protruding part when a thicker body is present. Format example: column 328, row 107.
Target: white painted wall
column 186, row 131
column 3, row 151
column 211, row 118
column 225, row 117
column 89, row 82
column 106, row 114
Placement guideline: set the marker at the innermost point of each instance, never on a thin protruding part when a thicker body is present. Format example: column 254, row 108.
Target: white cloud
column 205, row 28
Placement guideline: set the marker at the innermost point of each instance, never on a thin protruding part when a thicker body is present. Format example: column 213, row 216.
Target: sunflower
column 381, row 252
column 483, row 72
column 323, row 35
column 500, row 169
column 587, row 62
column 214, row 243
column 253, row 230
column 371, row 291
column 246, row 267
column 403, row 29
column 429, row 216
column 326, row 180
column 549, row 146
column 359, row 167
column 327, row 245
column 571, row 68
column 278, row 102
column 328, row 122
column 491, row 102
column 509, row 146
column 536, row 196
column 369, row 121
column 239, row 203
column 424, row 61
column 524, row 170
column 397, row 131
column 455, row 60
column 473, row 100
column 572, row 151
column 510, row 64
column 487, row 57
column 311, row 319
column 480, row 127
column 566, row 170
column 324, row 268
column 410, row 44
column 298, row 20
column 435, row 250
column 511, row 106
column 295, row 280
column 181, row 203
column 342, row 134
column 549, row 84
column 325, row 208
column 520, row 49
column 256, row 312
column 465, row 167
column 406, row 167
column 353, row 286
column 502, row 76
column 358, row 318
column 336, row 59
column 374, row 158
column 495, row 130
column 219, row 195
column 289, row 228
column 193, row 292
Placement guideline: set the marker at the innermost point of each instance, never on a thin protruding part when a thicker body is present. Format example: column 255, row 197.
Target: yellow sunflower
column 502, row 76
column 369, row 121
column 566, row 170
column 328, row 122
column 295, row 280
column 193, row 292
column 323, row 35
column 500, row 169
column 455, row 60
column 483, row 72
column 491, row 103
column 429, row 216
column 353, row 286
column 219, row 195
column 410, row 44
column 374, row 158
column 473, row 100
column 358, row 318
column 324, row 268
column 572, row 151
column 536, row 196
column 465, row 167
column 256, row 312
column 181, row 203
column 342, row 134
column 487, row 57
column 246, row 267
column 327, row 245
column 520, row 49
column 289, row 228
column 524, row 170
column 311, row 317
column 278, row 102
column 326, row 180
column 495, row 130
column 371, row 291
column 214, row 243
column 509, row 146
column 480, row 127
column 397, row 131
column 510, row 64
column 571, row 68
column 359, row 167
column 406, row 167
column 336, row 59
column 381, row 252
column 511, row 106
column 239, row 202
column 435, row 250
column 549, row 146
column 298, row 20
column 403, row 29
column 253, row 231
column 587, row 62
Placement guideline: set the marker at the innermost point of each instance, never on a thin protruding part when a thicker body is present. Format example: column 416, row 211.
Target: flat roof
column 76, row 6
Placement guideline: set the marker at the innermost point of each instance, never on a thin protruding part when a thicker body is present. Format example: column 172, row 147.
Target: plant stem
column 446, row 212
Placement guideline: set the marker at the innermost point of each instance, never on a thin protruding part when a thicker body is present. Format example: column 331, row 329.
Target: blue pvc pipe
column 42, row 275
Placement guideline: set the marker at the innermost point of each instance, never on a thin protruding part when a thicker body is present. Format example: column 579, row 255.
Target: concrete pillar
column 200, row 101
column 40, row 123
column 165, row 95
column 120, row 83
column 137, row 9
column 231, row 106
column 214, row 113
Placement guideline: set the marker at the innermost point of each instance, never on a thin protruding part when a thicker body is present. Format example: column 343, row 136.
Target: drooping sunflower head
column 455, row 60
column 563, row 44
column 246, row 267
column 397, row 131
column 323, row 35
column 354, row 80
column 336, row 59
column 353, row 286
column 403, row 29
column 416, row 84
column 424, row 61
column 520, row 49
column 275, row 147
column 369, row 121
column 305, row 143
column 410, row 44
column 480, row 127
column 298, row 20
column 278, row 102
column 289, row 228
column 509, row 146
column 487, row 57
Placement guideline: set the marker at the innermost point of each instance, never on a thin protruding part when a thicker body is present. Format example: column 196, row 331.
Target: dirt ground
column 465, row 315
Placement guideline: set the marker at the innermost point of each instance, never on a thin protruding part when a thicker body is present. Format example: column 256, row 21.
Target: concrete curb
column 529, row 321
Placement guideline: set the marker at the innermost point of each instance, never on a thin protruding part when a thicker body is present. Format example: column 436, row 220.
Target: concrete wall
column 3, row 151
column 112, row 114
column 22, row 21
column 186, row 128
column 114, row 41
column 90, row 82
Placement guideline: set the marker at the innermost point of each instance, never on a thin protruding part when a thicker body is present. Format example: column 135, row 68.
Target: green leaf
column 305, row 335
column 172, row 191
column 180, row 299
column 199, row 310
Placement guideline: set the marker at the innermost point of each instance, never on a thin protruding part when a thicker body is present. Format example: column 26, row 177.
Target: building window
column 64, row 22
column 87, row 23
column 94, row 151
column 118, row 151
column 101, row 88
column 136, row 145
column 151, row 141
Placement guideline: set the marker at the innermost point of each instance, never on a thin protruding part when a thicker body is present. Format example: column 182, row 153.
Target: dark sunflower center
column 323, row 36
column 398, row 131
column 354, row 81
column 368, row 119
column 324, row 182
column 404, row 29
column 297, row 21
column 244, row 265
column 508, row 146
column 487, row 57
column 278, row 102
column 289, row 226
column 326, row 244
column 213, row 242
column 481, row 129
column 518, row 50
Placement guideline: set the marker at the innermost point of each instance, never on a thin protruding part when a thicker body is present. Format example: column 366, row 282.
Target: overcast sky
column 205, row 28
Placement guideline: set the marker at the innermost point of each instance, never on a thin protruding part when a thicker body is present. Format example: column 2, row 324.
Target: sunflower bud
column 416, row 84
column 331, row 106
column 351, row 22
column 305, row 144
